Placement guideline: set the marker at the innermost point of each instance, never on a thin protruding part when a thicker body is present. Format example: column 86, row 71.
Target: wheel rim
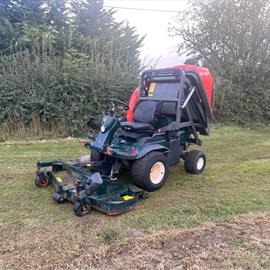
column 157, row 172
column 200, row 163
column 44, row 181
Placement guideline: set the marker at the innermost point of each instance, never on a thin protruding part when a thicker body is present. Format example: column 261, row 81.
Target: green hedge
column 51, row 91
column 243, row 104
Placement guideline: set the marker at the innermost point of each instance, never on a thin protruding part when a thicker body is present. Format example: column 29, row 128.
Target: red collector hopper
column 206, row 81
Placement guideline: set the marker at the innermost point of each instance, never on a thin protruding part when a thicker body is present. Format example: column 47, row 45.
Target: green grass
column 236, row 181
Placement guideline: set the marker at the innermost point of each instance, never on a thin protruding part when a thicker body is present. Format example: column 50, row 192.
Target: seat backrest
column 164, row 90
column 168, row 108
column 145, row 111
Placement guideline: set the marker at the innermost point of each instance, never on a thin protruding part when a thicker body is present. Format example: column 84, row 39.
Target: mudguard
column 150, row 148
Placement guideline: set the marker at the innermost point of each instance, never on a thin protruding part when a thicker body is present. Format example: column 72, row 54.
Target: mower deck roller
column 172, row 109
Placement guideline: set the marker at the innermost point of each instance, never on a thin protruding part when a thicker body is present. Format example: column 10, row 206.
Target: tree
column 18, row 11
column 21, row 23
column 9, row 10
column 8, row 35
column 97, row 31
column 90, row 19
column 232, row 36
column 56, row 14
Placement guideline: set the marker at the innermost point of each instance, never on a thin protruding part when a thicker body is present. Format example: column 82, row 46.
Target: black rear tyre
column 150, row 172
column 195, row 162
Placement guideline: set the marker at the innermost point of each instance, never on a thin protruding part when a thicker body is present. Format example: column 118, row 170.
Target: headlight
column 102, row 129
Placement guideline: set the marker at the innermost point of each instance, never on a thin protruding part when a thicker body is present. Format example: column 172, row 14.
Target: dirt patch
column 241, row 244
column 4, row 177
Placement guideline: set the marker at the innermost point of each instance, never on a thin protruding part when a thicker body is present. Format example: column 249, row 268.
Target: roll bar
column 193, row 102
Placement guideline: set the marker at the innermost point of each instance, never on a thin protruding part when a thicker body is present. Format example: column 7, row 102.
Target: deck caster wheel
column 41, row 181
column 58, row 197
column 82, row 209
column 195, row 162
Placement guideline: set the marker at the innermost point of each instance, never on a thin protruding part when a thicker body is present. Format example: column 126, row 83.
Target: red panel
column 207, row 81
column 132, row 104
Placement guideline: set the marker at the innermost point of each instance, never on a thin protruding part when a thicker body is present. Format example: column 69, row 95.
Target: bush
column 44, row 91
column 243, row 105
column 59, row 64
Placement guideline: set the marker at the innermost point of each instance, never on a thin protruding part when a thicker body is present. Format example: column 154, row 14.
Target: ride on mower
column 166, row 114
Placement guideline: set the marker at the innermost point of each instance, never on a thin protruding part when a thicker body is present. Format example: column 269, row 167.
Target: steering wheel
column 118, row 106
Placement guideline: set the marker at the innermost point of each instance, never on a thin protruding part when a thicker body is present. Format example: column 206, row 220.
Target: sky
column 158, row 48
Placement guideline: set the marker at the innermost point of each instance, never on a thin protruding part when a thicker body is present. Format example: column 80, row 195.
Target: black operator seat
column 165, row 95
column 144, row 117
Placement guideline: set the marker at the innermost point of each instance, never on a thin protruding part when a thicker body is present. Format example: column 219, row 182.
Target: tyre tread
column 138, row 170
column 191, row 161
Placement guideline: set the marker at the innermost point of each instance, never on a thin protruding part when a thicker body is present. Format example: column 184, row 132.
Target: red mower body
column 132, row 103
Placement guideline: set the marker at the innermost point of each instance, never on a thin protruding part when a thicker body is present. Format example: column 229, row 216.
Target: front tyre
column 195, row 162
column 150, row 172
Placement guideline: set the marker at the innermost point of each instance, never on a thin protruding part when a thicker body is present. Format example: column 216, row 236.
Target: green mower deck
column 90, row 189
